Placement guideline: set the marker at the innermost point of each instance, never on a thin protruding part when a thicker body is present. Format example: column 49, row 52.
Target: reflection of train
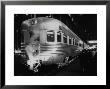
column 49, row 41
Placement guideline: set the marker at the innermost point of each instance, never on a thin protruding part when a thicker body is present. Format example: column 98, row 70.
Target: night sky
column 84, row 25
column 87, row 26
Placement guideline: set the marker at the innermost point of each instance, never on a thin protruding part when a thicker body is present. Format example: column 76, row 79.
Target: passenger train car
column 49, row 41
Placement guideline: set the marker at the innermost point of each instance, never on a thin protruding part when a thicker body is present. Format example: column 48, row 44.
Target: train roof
column 47, row 23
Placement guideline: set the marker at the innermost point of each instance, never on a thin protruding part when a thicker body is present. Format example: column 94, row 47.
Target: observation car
column 49, row 41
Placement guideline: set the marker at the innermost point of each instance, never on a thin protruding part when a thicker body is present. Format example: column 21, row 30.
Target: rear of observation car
column 52, row 41
column 43, row 41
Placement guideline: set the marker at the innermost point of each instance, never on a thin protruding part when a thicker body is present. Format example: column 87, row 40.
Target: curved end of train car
column 49, row 41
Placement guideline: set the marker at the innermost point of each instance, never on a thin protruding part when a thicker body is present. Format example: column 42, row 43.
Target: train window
column 58, row 36
column 79, row 44
column 76, row 42
column 64, row 39
column 31, row 34
column 73, row 41
column 70, row 41
column 50, row 36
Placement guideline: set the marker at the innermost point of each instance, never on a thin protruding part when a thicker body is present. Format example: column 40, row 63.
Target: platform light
column 72, row 19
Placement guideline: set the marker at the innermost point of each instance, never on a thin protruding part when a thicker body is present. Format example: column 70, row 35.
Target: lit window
column 70, row 41
column 76, row 42
column 59, row 36
column 64, row 39
column 50, row 36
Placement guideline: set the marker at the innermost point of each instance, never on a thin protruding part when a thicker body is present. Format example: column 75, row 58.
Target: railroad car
column 49, row 41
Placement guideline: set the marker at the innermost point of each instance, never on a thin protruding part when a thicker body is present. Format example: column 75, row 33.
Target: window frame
column 57, row 36
column 66, row 39
column 73, row 41
column 76, row 44
column 69, row 40
column 54, row 37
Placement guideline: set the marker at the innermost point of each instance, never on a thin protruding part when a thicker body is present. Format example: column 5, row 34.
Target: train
column 49, row 41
